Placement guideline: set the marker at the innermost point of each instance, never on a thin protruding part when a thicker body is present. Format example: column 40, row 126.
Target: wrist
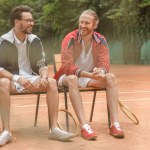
column 103, row 71
column 90, row 75
column 15, row 78
column 45, row 77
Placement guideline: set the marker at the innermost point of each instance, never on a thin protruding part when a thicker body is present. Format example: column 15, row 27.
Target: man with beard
column 85, row 63
column 23, row 68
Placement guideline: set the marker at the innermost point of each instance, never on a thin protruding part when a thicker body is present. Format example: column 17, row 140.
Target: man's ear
column 94, row 25
column 16, row 21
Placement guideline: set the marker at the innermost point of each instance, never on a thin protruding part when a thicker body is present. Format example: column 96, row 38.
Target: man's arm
column 44, row 77
column 6, row 74
column 67, row 51
column 44, row 72
column 97, row 73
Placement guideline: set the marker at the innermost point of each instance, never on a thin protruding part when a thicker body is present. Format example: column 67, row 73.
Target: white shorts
column 31, row 78
column 82, row 81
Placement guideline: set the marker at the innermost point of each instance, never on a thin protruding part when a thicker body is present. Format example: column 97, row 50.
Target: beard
column 27, row 30
column 85, row 32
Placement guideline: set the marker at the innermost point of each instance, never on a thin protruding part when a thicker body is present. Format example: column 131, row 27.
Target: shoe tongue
column 5, row 133
column 87, row 128
column 57, row 129
column 116, row 124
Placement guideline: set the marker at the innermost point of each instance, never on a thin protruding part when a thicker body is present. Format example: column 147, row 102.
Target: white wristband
column 1, row 68
column 16, row 78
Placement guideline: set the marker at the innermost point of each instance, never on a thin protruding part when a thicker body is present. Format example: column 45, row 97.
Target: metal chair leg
column 93, row 104
column 66, row 107
column 36, row 111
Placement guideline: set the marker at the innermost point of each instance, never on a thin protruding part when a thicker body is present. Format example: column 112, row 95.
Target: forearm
column 98, row 73
column 5, row 74
column 85, row 74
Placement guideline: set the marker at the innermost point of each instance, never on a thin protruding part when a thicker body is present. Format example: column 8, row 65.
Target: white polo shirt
column 23, row 60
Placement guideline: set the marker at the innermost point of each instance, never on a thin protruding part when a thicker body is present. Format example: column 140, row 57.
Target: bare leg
column 72, row 83
column 109, row 83
column 5, row 102
column 112, row 97
column 52, row 102
column 52, row 99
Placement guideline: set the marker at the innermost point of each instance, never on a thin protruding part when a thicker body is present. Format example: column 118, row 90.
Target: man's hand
column 98, row 73
column 25, row 83
column 43, row 82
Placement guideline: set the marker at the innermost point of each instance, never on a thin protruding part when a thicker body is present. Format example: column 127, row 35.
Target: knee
column 5, row 83
column 52, row 84
column 110, row 79
column 72, row 80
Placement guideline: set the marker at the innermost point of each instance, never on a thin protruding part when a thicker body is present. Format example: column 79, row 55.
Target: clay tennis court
column 134, row 91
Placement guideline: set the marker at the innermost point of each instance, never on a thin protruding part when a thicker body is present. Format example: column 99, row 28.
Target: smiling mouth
column 30, row 28
column 84, row 29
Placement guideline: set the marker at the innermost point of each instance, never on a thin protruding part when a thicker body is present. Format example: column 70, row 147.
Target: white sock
column 85, row 125
column 116, row 124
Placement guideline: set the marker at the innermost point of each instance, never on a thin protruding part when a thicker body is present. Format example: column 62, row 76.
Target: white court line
column 137, row 81
column 136, row 92
column 104, row 101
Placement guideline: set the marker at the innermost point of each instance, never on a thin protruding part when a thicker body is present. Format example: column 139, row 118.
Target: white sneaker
column 58, row 134
column 5, row 138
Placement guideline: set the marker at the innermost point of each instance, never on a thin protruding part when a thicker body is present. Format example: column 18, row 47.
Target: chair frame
column 37, row 102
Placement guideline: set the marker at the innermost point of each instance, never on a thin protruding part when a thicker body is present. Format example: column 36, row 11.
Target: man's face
column 86, row 24
column 26, row 23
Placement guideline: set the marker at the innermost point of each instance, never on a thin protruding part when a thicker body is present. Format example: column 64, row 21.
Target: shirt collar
column 18, row 42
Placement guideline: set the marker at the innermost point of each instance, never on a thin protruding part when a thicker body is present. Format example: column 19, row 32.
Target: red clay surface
column 134, row 91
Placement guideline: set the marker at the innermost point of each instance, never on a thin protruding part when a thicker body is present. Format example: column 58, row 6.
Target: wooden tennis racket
column 67, row 122
column 128, row 113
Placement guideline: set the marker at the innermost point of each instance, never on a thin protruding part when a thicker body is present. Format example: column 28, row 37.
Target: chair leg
column 108, row 113
column 93, row 104
column 65, row 97
column 36, row 111
column 66, row 107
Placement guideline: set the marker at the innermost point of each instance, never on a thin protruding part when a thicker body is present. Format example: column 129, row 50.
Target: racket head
column 67, row 122
column 128, row 113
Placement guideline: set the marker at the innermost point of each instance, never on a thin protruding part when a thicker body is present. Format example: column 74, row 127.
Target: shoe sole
column 119, row 136
column 9, row 141
column 90, row 138
column 62, row 139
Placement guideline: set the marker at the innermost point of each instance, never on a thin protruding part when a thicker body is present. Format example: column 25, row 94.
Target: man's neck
column 87, row 38
column 20, row 35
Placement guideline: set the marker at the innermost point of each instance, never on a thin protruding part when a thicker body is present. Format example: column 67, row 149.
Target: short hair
column 17, row 12
column 93, row 14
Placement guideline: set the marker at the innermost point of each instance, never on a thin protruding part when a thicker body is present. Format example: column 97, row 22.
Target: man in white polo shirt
column 23, row 68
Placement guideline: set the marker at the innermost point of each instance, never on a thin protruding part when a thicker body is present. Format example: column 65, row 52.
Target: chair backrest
column 56, row 62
